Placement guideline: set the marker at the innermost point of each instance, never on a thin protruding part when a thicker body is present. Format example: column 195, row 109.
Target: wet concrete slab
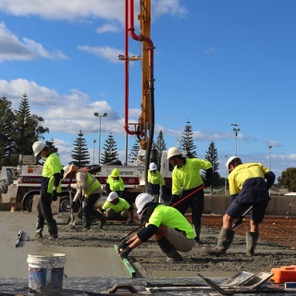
column 88, row 270
column 80, row 262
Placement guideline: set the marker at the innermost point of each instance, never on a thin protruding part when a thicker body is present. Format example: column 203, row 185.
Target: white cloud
column 14, row 49
column 39, row 51
column 210, row 50
column 172, row 7
column 86, row 9
column 106, row 52
column 108, row 28
column 66, row 113
column 65, row 10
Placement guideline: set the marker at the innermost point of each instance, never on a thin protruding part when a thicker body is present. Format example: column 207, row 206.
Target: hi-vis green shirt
column 51, row 166
column 188, row 176
column 120, row 206
column 155, row 178
column 172, row 218
column 115, row 185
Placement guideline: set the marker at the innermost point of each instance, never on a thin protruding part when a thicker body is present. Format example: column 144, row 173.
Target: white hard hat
column 141, row 200
column 173, row 151
column 38, row 147
column 112, row 196
column 152, row 166
column 229, row 160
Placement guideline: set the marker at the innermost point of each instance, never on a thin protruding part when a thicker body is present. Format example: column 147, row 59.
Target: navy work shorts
column 236, row 209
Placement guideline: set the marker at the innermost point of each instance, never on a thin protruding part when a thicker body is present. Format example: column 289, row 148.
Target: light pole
column 269, row 147
column 226, row 157
column 100, row 116
column 94, row 142
column 236, row 130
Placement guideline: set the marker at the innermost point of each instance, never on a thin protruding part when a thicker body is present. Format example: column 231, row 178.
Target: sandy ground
column 150, row 261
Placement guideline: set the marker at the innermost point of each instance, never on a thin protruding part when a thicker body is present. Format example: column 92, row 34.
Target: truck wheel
column 28, row 203
column 65, row 204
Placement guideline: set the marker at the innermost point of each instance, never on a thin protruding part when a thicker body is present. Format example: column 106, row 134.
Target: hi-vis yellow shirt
column 51, row 166
column 246, row 171
column 188, row 176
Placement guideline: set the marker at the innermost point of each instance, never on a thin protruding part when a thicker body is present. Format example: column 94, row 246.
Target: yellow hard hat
column 115, row 173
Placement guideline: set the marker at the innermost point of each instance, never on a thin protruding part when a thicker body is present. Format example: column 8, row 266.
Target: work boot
column 169, row 250
column 52, row 228
column 103, row 221
column 224, row 241
column 251, row 241
column 38, row 233
column 197, row 234
column 86, row 222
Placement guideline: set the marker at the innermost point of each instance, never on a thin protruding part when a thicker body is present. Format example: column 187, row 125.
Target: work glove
column 54, row 195
column 122, row 245
column 174, row 198
column 125, row 252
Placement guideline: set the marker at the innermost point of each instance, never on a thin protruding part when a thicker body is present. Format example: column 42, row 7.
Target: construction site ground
column 93, row 264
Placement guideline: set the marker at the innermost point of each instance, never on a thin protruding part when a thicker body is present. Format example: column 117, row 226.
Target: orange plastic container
column 283, row 274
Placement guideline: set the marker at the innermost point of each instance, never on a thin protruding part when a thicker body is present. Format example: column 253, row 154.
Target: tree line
column 19, row 129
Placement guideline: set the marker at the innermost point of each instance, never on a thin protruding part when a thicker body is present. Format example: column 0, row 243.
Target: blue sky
column 217, row 62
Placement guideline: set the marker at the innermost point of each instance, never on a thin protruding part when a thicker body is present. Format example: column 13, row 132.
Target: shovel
column 71, row 222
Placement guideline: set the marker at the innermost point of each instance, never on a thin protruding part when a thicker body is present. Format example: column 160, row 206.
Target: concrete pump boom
column 144, row 129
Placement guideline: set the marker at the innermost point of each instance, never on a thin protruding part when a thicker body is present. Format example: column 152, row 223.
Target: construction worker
column 89, row 189
column 117, row 208
column 247, row 187
column 186, row 178
column 115, row 183
column 156, row 184
column 166, row 225
column 50, row 188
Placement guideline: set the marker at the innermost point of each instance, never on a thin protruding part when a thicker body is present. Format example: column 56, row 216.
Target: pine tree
column 80, row 152
column 26, row 130
column 133, row 155
column 160, row 146
column 6, row 131
column 212, row 157
column 187, row 142
column 110, row 153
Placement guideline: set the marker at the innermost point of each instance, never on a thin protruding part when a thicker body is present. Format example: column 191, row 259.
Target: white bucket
column 46, row 272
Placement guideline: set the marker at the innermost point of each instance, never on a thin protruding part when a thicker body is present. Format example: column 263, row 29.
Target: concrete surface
column 80, row 262
column 89, row 270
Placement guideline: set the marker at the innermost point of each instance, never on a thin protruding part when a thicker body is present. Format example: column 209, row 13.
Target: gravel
column 150, row 261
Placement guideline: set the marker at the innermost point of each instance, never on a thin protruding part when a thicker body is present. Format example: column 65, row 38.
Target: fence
column 279, row 205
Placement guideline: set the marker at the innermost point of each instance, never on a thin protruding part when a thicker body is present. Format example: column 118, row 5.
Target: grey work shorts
column 179, row 240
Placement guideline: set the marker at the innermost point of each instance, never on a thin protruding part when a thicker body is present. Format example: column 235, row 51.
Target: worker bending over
column 116, row 208
column 247, row 188
column 165, row 224
column 89, row 189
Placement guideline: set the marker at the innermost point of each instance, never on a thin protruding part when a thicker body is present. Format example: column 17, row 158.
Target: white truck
column 19, row 185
